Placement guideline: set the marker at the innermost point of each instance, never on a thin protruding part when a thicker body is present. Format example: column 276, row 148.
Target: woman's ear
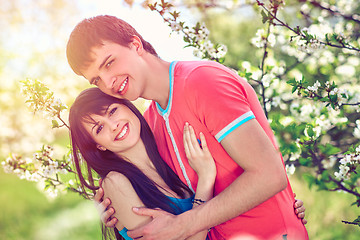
column 101, row 148
column 136, row 42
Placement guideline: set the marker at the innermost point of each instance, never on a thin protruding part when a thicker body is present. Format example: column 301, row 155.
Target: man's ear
column 136, row 42
column 101, row 148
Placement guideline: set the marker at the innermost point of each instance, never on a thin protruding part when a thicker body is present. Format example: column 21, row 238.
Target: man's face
column 116, row 70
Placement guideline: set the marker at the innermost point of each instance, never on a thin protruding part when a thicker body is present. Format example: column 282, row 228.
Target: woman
column 116, row 142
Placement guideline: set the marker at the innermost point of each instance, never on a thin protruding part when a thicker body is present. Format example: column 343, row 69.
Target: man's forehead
column 89, row 66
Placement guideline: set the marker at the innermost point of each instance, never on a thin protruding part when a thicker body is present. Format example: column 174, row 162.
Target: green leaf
column 305, row 161
column 55, row 124
column 310, row 131
column 310, row 179
column 294, row 89
column 292, row 82
column 265, row 17
column 329, row 149
column 325, row 175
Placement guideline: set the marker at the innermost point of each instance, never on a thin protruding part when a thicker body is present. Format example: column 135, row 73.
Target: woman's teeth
column 123, row 132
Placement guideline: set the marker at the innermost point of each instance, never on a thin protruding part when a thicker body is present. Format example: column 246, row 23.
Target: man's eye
column 98, row 130
column 96, row 81
column 109, row 63
column 112, row 111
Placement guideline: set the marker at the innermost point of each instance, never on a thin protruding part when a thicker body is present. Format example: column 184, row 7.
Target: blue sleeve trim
column 233, row 125
column 123, row 233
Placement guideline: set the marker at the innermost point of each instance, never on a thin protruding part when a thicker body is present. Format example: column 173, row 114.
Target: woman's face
column 117, row 130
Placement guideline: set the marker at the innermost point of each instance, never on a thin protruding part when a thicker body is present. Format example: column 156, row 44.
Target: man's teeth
column 123, row 132
column 123, row 85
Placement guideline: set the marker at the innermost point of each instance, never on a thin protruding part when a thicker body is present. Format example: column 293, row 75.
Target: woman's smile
column 117, row 129
column 123, row 133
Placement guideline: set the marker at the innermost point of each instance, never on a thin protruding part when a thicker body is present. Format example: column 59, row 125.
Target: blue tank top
column 182, row 205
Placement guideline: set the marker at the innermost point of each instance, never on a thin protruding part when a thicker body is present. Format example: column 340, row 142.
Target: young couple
column 242, row 191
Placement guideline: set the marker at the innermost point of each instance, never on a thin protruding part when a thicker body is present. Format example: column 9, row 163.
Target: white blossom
column 352, row 159
column 315, row 87
column 356, row 132
column 343, row 173
column 295, row 156
column 329, row 163
column 175, row 26
column 290, row 170
column 266, row 80
column 260, row 38
column 346, row 70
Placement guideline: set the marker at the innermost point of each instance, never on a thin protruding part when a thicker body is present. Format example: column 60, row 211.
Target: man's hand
column 300, row 209
column 103, row 208
column 164, row 226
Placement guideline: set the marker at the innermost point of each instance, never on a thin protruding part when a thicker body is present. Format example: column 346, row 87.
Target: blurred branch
column 307, row 36
column 333, row 10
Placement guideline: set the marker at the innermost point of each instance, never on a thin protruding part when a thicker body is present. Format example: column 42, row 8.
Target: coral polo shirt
column 215, row 101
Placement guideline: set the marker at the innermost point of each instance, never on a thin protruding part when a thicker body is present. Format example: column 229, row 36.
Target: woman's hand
column 299, row 209
column 199, row 157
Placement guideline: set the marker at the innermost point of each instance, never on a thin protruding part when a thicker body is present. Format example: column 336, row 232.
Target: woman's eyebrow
column 97, row 123
column 107, row 109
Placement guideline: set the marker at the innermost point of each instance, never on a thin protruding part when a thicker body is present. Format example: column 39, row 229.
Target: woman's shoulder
column 123, row 197
column 116, row 180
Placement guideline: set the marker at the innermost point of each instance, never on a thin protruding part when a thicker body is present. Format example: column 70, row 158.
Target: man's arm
column 263, row 177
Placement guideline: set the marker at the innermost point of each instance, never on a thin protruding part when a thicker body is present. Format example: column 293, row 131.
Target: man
column 253, row 198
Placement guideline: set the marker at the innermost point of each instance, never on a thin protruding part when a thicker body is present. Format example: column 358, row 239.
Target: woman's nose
column 114, row 125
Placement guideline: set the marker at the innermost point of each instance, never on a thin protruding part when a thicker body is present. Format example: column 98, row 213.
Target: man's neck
column 157, row 86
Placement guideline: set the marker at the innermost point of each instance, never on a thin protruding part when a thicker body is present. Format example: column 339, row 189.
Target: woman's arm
column 123, row 197
column 201, row 161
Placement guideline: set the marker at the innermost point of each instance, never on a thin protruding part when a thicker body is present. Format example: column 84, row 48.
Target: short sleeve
column 219, row 97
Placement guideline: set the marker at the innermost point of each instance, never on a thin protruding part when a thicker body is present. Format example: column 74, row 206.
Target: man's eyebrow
column 103, row 63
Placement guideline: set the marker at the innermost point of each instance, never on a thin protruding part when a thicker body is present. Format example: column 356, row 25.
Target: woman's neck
column 138, row 156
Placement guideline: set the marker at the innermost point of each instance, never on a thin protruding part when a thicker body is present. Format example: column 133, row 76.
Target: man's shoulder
column 202, row 75
column 151, row 113
column 186, row 67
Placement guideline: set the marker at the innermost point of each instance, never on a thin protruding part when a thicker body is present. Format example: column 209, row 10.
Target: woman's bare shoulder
column 116, row 180
column 123, row 198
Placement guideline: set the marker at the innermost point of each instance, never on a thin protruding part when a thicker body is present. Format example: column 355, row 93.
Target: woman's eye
column 98, row 130
column 112, row 111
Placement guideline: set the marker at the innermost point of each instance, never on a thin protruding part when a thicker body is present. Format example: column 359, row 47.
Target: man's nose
column 109, row 81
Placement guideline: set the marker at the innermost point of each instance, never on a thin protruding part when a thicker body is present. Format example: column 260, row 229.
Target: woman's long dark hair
column 84, row 150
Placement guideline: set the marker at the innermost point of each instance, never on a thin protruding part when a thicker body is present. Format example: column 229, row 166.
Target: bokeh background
column 33, row 38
